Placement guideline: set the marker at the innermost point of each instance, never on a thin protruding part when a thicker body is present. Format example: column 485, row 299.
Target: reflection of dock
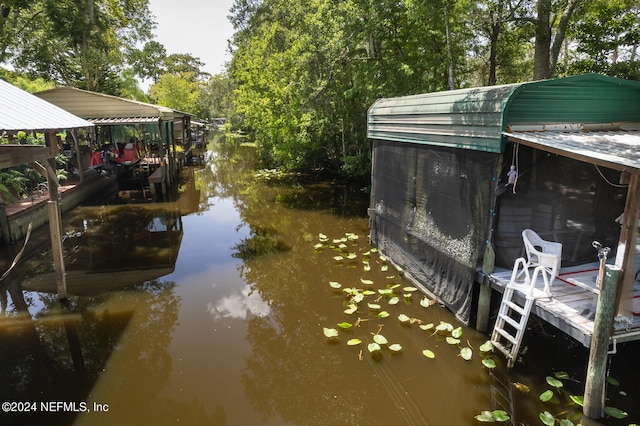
column 17, row 216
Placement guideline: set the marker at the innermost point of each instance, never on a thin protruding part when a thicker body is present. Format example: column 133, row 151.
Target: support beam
column 626, row 254
column 55, row 218
column 594, row 392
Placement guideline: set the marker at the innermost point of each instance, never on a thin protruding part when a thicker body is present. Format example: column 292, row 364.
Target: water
column 210, row 310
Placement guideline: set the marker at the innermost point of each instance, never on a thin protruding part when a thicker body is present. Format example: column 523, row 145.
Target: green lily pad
column 345, row 325
column 615, row 413
column 383, row 314
column 428, row 353
column 554, row 382
column 396, row 347
column 372, row 347
column 489, row 363
column 546, row 395
column 380, row 339
column 547, row 419
column 335, row 284
column 354, row 342
column 466, row 353
column 486, row 346
column 330, row 332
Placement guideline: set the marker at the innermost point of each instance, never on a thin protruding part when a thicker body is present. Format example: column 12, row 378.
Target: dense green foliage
column 306, row 72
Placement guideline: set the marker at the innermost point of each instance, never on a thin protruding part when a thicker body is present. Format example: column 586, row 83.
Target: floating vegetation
column 493, row 416
column 372, row 297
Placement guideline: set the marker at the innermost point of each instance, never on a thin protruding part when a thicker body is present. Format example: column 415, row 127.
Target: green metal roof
column 475, row 118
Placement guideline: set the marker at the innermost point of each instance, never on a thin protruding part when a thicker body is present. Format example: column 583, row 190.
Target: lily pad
column 351, row 309
column 615, row 413
column 354, row 342
column 425, row 302
column 457, row 332
column 345, row 325
column 466, row 354
column 335, row 284
column 380, row 339
column 489, row 363
column 396, row 347
column 554, row 382
column 486, row 346
column 546, row 395
column 366, row 282
column 394, row 300
column 547, row 418
column 452, row 340
column 372, row 347
column 577, row 399
column 403, row 318
column 383, row 314
column 374, row 306
column 428, row 353
column 330, row 332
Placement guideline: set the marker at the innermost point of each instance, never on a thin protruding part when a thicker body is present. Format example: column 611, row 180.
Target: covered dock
column 159, row 136
column 459, row 175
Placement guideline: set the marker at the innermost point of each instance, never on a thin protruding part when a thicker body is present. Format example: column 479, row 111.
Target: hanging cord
column 515, row 161
column 19, row 255
column 615, row 185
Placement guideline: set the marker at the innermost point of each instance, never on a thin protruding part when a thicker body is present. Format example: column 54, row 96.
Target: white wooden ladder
column 513, row 316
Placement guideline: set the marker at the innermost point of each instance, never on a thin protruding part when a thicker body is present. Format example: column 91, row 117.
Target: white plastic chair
column 545, row 260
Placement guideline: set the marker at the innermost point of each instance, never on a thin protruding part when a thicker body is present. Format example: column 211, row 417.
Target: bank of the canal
column 216, row 307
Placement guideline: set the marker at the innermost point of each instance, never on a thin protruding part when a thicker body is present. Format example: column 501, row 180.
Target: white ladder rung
column 519, row 309
column 508, row 309
column 513, row 323
column 506, row 335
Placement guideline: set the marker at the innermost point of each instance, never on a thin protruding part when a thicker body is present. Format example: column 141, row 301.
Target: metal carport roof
column 616, row 149
column 98, row 105
column 20, row 110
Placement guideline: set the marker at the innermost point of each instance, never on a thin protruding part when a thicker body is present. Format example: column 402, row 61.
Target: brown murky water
column 210, row 310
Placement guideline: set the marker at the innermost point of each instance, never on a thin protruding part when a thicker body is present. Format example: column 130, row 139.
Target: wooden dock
column 571, row 307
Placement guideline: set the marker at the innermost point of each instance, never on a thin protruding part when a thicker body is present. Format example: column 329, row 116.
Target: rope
column 19, row 255
column 615, row 185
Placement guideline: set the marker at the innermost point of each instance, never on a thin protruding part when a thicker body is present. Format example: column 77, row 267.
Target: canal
column 254, row 298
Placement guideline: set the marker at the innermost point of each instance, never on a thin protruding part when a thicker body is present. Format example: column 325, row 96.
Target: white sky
column 197, row 27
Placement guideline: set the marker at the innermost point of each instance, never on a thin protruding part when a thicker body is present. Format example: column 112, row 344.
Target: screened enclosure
column 430, row 214
column 441, row 192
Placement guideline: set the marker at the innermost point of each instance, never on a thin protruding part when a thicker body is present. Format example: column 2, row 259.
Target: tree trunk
column 452, row 84
column 561, row 32
column 541, row 56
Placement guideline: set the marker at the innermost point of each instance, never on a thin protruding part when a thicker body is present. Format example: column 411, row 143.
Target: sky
column 197, row 27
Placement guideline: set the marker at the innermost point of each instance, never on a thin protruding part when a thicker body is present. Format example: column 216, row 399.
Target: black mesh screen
column 430, row 210
column 563, row 200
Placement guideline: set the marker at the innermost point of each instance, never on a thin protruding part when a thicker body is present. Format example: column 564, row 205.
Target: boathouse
column 159, row 130
column 458, row 175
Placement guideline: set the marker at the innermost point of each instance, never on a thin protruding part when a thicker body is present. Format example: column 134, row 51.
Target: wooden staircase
column 513, row 315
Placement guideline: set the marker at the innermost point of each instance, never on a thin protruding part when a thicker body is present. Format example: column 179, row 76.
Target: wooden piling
column 594, row 393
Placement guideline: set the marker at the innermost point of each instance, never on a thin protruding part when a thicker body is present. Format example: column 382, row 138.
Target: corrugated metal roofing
column 475, row 118
column 613, row 149
column 465, row 118
column 20, row 110
column 123, row 120
column 98, row 105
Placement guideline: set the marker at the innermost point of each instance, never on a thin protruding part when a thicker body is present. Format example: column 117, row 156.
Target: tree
column 551, row 15
column 75, row 43
column 608, row 39
column 176, row 92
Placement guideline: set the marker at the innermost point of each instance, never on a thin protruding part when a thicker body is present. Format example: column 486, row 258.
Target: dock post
column 484, row 297
column 594, row 392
